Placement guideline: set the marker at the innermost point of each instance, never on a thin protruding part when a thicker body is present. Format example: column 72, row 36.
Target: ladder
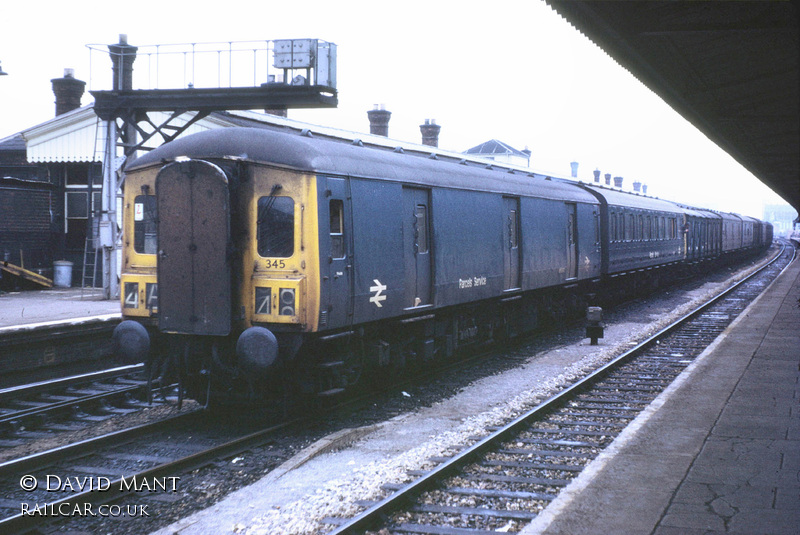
column 90, row 254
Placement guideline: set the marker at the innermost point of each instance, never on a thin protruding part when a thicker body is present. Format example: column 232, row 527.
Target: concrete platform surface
column 37, row 307
column 718, row 452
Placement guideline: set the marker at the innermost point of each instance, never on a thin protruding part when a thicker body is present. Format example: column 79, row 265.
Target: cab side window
column 144, row 224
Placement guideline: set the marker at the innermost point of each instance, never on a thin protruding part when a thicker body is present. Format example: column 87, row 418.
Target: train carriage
column 259, row 244
column 697, row 223
column 642, row 232
column 731, row 232
column 749, row 226
column 261, row 262
column 707, row 224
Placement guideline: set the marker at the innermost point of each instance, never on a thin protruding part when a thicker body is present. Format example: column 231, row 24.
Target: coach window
column 513, row 236
column 596, row 228
column 275, row 227
column 622, row 228
column 421, row 229
column 337, row 228
column 612, row 232
column 630, row 229
column 144, row 224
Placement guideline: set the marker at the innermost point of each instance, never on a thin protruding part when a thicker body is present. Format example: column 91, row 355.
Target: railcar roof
column 632, row 200
column 729, row 216
column 290, row 149
column 702, row 212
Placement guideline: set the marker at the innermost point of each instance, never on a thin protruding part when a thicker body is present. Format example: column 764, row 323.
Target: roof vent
column 433, row 156
column 399, row 150
column 306, row 133
column 358, row 143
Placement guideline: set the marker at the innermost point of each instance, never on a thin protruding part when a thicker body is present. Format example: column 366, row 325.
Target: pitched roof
column 494, row 146
column 14, row 142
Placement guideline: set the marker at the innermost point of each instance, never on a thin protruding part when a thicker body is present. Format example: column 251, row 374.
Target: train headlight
column 286, row 300
column 131, row 295
column 263, row 300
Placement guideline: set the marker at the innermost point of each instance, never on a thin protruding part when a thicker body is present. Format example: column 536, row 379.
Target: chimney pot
column 608, row 179
column 618, row 182
column 644, row 189
column 574, row 166
column 430, row 133
column 596, row 175
column 122, row 57
column 637, row 186
column 68, row 91
column 379, row 120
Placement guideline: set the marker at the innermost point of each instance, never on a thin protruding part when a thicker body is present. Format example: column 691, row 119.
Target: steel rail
column 125, row 485
column 46, row 458
column 45, row 386
column 59, row 405
column 369, row 518
column 28, row 390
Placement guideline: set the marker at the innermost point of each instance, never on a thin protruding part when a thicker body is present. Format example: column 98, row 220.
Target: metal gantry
column 294, row 73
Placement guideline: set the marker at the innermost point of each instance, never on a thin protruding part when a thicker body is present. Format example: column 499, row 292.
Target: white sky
column 512, row 70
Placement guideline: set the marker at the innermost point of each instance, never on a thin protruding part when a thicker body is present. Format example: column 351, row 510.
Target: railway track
column 163, row 452
column 151, row 457
column 33, row 411
column 502, row 481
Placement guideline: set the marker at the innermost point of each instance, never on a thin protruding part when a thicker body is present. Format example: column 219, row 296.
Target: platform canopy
column 730, row 68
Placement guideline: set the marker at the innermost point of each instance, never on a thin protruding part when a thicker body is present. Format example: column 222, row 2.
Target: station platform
column 43, row 330
column 34, row 308
column 718, row 452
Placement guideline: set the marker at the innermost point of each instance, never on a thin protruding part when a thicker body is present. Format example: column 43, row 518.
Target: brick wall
column 27, row 225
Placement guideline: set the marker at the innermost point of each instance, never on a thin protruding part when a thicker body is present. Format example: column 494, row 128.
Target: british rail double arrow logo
column 378, row 289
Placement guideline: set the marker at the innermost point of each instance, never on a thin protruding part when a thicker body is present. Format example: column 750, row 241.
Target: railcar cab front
column 215, row 268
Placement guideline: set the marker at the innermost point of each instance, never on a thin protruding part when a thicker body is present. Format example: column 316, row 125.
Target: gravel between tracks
column 318, row 483
column 355, row 455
